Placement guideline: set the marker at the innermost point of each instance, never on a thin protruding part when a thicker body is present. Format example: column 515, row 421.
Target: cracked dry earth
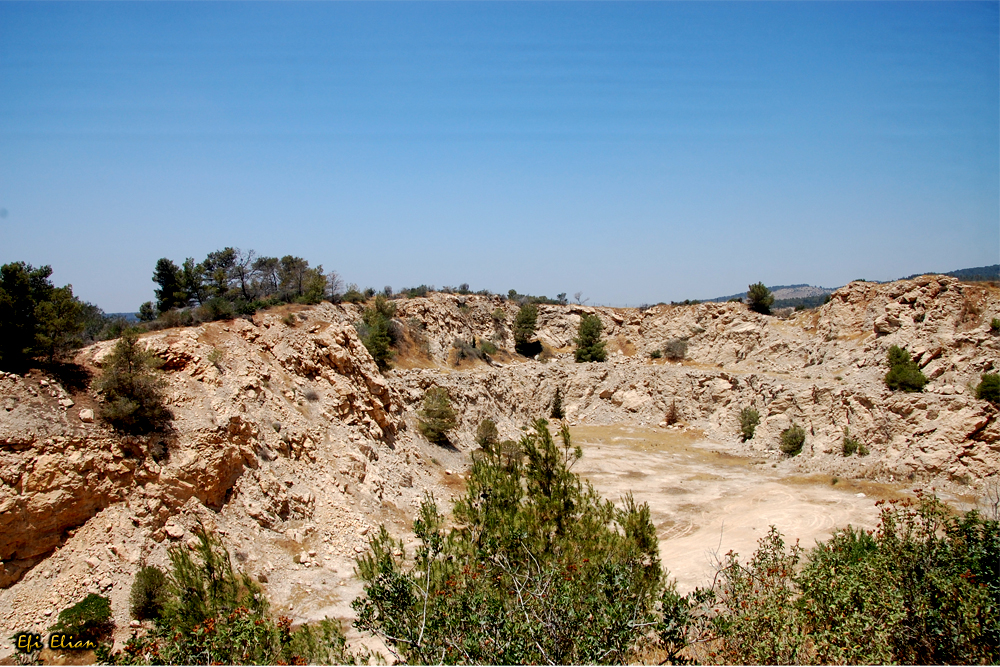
column 294, row 448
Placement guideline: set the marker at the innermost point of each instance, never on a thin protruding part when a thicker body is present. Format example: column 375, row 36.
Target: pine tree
column 760, row 299
column 133, row 393
column 589, row 346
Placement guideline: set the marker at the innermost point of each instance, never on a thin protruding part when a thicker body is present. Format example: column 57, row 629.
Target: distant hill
column 789, row 296
column 128, row 317
column 810, row 296
column 975, row 274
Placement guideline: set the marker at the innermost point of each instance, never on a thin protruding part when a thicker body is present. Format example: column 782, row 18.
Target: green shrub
column 656, row 354
column 850, row 445
column 676, row 349
column 749, row 419
column 557, row 406
column 376, row 331
column 212, row 614
column 487, row 347
column 589, row 346
column 487, row 435
column 989, row 388
column 465, row 350
column 148, row 595
column 538, row 569
column 792, row 439
column 216, row 308
column 524, row 330
column 133, row 398
column 760, row 299
column 437, row 417
column 995, row 325
column 904, row 374
column 90, row 617
column 920, row 589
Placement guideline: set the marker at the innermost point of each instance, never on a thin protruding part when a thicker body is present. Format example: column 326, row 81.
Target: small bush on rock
column 792, row 439
column 749, row 419
column 149, row 592
column 437, row 417
column 90, row 617
column 989, row 388
column 676, row 349
column 589, row 346
column 904, row 374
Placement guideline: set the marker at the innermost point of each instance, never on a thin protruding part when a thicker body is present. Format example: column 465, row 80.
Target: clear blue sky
column 636, row 152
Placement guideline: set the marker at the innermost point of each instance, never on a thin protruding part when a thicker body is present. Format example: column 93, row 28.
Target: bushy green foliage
column 146, row 312
column 211, row 614
column 749, row 419
column 921, row 589
column 540, row 569
column 656, row 354
column 903, row 372
column 995, row 325
column 40, row 320
column 231, row 282
column 760, row 299
column 437, row 417
column 675, row 349
column 376, row 334
column 88, row 618
column 524, row 329
column 988, row 388
column 148, row 594
column 850, row 445
column 487, row 435
column 589, row 346
column 133, row 398
column 487, row 347
column 792, row 439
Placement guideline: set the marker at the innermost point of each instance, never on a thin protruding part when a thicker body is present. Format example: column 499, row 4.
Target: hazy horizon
column 637, row 152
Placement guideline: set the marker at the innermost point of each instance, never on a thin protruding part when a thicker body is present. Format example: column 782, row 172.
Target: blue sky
column 635, row 152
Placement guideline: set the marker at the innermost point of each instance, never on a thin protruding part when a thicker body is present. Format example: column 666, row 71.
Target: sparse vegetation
column 904, row 374
column 760, row 299
column 675, row 349
column 589, row 346
column 849, row 445
column 995, row 325
column 210, row 614
column 749, row 419
column 132, row 390
column 792, row 439
column 988, row 388
column 437, row 416
column 215, row 357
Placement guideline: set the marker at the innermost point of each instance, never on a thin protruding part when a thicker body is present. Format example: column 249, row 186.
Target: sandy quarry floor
column 705, row 501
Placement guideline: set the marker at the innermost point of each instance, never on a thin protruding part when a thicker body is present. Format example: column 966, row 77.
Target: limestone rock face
column 284, row 427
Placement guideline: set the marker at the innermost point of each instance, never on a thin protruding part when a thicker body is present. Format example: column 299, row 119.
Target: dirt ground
column 705, row 501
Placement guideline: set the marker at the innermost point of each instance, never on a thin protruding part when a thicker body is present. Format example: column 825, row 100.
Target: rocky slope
column 288, row 441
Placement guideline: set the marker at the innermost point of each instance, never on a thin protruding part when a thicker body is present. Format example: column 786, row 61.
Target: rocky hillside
column 288, row 441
